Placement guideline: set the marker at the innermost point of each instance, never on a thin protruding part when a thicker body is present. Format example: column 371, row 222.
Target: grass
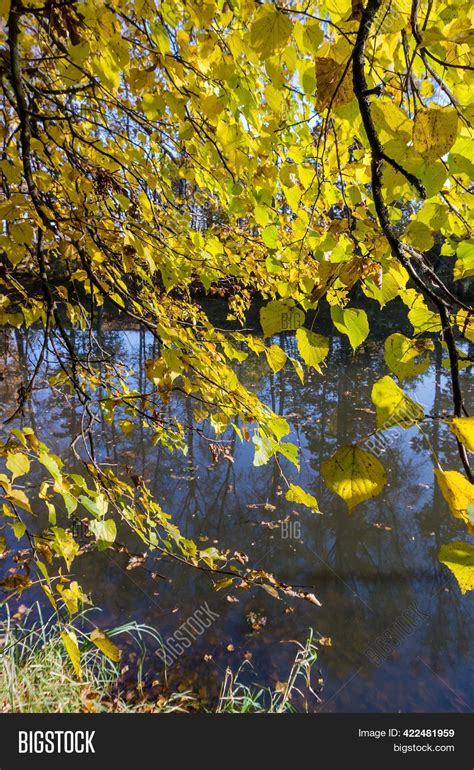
column 36, row 675
column 239, row 698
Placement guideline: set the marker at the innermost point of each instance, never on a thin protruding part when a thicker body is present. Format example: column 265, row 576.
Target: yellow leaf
column 434, row 131
column 463, row 429
column 459, row 558
column 352, row 322
column 393, row 406
column 270, row 30
column 354, row 474
column 390, row 118
column 126, row 426
column 105, row 645
column 392, row 18
column 72, row 595
column 419, row 235
column 276, row 357
column 298, row 369
column 420, row 316
column 313, row 36
column 19, row 498
column 457, row 491
column 72, row 648
column 22, row 233
column 211, row 106
column 65, row 545
column 280, row 315
column 406, row 357
column 19, row 528
column 465, row 322
column 18, row 464
column 297, row 495
column 105, row 532
column 313, row 348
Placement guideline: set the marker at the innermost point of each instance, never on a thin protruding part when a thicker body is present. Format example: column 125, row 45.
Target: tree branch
column 397, row 247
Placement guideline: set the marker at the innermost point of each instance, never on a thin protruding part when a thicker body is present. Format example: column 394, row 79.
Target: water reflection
column 366, row 568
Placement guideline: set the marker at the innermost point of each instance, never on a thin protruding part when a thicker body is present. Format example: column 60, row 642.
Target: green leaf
column 19, row 529
column 419, row 235
column 459, row 558
column 263, row 449
column 288, row 450
column 393, row 406
column 72, row 648
column 52, row 464
column 105, row 532
column 296, row 494
column 270, row 237
column 279, row 427
column 352, row 322
column 105, row 645
column 406, row 357
column 419, row 315
column 313, row 348
column 354, row 474
column 464, row 265
column 18, row 464
column 280, row 315
column 97, row 507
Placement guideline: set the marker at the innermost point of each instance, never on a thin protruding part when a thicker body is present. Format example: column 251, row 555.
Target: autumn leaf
column 68, row 635
column 457, row 491
column 463, row 429
column 105, row 532
column 18, row 464
column 296, row 494
column 225, row 156
column 270, row 30
column 459, row 558
column 354, row 474
column 105, row 645
column 434, row 131
column 276, row 357
column 280, row 315
column 407, row 357
column 65, row 545
column 334, row 83
column 351, row 322
column 393, row 406
column 313, row 348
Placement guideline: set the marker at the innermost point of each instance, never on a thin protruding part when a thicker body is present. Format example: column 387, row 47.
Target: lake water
column 370, row 570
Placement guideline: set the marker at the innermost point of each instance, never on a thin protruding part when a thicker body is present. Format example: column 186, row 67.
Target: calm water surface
column 366, row 568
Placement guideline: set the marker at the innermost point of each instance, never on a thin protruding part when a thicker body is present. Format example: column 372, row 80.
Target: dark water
column 368, row 569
